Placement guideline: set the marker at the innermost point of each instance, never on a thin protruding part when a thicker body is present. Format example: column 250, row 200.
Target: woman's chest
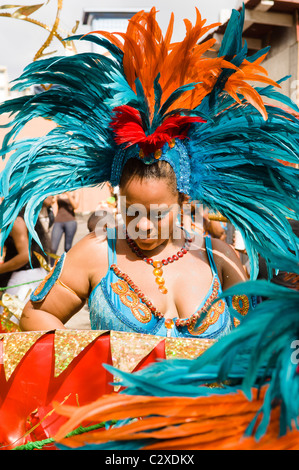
column 186, row 284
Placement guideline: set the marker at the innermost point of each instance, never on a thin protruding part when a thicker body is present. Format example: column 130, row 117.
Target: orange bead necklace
column 157, row 264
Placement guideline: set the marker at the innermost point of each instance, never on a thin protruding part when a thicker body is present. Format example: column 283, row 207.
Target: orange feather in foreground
column 176, row 423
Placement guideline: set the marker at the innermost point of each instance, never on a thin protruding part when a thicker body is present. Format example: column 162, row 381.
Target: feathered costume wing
column 242, row 393
column 150, row 94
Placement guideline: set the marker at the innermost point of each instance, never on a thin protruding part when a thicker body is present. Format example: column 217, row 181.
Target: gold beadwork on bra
column 241, row 304
column 131, row 300
column 211, row 318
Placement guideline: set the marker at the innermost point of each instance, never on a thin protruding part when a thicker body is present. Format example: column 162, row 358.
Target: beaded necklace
column 169, row 323
column 157, row 264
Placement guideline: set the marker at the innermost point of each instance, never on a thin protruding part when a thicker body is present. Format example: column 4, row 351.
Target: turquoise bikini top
column 115, row 304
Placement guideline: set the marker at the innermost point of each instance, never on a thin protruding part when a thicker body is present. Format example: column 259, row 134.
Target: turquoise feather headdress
column 223, row 142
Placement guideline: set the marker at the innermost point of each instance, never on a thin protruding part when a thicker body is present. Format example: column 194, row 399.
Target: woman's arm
column 19, row 235
column 83, row 265
column 67, row 296
column 51, row 314
column 216, row 230
column 229, row 266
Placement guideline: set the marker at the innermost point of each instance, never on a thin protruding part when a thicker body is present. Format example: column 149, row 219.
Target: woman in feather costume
column 165, row 134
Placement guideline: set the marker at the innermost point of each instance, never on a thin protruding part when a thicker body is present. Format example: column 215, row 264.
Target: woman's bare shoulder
column 228, row 263
column 18, row 227
column 87, row 258
column 220, row 246
column 90, row 242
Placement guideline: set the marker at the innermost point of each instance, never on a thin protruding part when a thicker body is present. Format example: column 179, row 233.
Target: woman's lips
column 146, row 240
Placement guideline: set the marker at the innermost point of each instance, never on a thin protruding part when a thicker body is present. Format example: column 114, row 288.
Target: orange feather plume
column 216, row 422
column 237, row 84
column 147, row 52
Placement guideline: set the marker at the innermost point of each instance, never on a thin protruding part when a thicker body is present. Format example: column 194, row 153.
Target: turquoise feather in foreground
column 261, row 352
column 234, row 155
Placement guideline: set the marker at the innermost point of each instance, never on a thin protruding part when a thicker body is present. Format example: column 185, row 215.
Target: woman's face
column 149, row 208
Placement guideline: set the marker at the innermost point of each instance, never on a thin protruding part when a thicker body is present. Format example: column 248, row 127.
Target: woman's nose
column 144, row 224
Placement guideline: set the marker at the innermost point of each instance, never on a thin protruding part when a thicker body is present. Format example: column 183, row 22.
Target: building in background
column 275, row 24
column 5, row 87
column 108, row 19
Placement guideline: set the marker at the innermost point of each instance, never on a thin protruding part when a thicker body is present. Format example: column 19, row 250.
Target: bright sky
column 21, row 40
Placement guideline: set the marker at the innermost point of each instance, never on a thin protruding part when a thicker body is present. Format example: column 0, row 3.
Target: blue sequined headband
column 175, row 154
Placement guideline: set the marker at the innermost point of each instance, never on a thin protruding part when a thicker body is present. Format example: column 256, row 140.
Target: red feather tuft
column 128, row 129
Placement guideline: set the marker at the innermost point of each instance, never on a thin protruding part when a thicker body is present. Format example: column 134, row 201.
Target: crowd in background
column 21, row 269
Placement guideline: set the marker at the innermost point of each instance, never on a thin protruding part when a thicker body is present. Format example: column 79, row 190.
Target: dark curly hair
column 135, row 168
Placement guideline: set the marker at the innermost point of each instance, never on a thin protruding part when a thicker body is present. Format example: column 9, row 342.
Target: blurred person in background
column 65, row 221
column 20, row 271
